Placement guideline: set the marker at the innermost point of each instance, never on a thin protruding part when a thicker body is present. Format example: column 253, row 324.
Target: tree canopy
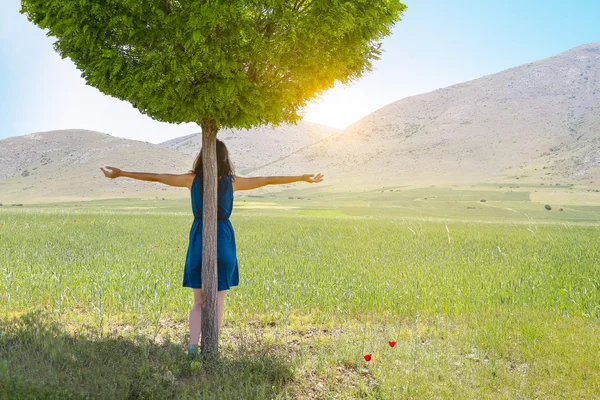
column 241, row 63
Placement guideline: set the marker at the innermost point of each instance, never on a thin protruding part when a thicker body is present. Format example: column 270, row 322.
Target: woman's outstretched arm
column 240, row 183
column 178, row 180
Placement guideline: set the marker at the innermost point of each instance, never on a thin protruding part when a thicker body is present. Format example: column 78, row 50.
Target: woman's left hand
column 112, row 172
column 312, row 178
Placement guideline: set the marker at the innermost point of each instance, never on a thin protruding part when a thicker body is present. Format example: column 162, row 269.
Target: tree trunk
column 210, row 334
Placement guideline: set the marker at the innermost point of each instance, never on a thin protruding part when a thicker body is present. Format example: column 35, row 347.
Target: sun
column 339, row 108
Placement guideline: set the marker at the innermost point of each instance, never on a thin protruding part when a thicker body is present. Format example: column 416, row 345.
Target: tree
column 218, row 63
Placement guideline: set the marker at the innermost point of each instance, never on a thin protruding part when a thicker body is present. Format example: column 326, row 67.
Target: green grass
column 435, row 203
column 91, row 305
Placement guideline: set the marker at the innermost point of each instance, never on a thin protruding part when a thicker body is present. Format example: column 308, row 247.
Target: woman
column 227, row 263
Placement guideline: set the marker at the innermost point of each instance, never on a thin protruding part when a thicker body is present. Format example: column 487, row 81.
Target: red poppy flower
column 367, row 357
column 392, row 344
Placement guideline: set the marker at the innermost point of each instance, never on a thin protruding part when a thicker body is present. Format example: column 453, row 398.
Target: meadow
column 501, row 305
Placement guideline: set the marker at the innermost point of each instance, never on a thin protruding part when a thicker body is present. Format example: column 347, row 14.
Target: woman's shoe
column 192, row 352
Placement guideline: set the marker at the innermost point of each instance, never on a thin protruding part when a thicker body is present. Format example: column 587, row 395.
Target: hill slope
column 252, row 148
column 64, row 165
column 538, row 122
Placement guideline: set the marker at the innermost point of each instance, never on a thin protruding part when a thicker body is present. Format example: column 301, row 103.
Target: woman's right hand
column 112, row 172
column 311, row 178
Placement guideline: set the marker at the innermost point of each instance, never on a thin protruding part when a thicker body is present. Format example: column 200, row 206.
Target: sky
column 438, row 43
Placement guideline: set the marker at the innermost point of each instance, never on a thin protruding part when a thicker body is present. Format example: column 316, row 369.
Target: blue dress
column 227, row 263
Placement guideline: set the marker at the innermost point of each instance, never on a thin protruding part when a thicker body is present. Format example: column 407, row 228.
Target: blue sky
column 438, row 43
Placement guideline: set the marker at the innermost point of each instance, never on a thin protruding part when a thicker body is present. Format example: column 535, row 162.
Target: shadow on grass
column 40, row 359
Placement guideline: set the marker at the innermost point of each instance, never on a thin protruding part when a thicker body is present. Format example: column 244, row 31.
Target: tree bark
column 210, row 333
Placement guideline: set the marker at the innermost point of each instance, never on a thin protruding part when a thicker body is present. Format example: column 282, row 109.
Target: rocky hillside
column 538, row 122
column 64, row 165
column 252, row 148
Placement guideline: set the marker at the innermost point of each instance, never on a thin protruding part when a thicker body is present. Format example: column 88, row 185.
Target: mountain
column 252, row 148
column 64, row 165
column 537, row 123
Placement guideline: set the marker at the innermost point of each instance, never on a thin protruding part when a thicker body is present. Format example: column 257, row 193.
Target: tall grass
column 479, row 310
column 115, row 264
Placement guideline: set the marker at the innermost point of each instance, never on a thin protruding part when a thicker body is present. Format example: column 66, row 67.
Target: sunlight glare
column 339, row 107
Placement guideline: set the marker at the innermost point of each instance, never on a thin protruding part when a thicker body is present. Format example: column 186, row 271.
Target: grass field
column 483, row 302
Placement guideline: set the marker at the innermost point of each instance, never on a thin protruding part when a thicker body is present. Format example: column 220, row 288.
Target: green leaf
column 240, row 62
column 197, row 35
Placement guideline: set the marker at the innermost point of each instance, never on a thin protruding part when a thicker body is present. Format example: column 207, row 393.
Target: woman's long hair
column 224, row 166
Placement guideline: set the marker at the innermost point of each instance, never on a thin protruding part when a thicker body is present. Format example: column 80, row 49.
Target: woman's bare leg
column 196, row 314
column 220, row 303
column 196, row 318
